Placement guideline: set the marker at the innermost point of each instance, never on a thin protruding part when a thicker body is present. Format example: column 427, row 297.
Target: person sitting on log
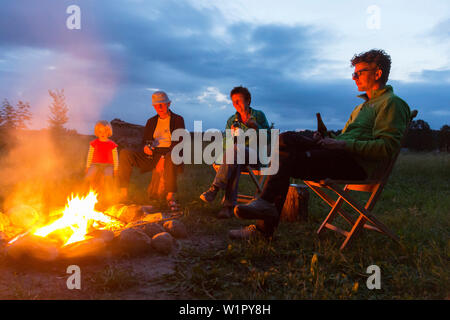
column 156, row 150
column 363, row 148
column 227, row 177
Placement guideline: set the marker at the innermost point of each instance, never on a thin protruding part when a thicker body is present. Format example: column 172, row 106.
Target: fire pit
column 80, row 231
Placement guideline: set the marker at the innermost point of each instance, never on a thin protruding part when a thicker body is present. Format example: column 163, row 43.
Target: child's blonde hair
column 103, row 124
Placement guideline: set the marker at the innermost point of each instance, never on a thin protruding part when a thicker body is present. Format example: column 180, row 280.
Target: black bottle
column 321, row 128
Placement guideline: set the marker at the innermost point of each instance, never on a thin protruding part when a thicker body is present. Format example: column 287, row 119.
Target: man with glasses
column 363, row 148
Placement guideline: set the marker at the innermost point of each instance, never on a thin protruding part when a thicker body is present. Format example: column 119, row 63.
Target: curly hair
column 379, row 57
column 244, row 91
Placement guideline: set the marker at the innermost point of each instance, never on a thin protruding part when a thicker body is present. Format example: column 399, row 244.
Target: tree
column 14, row 117
column 444, row 138
column 420, row 136
column 7, row 115
column 23, row 114
column 11, row 119
column 58, row 110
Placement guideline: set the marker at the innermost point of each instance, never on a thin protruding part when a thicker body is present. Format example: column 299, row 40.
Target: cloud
column 432, row 76
column 441, row 30
column 213, row 94
column 125, row 50
column 441, row 113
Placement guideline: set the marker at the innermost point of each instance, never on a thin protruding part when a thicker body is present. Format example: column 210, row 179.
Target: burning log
column 150, row 218
column 23, row 216
column 4, row 222
column 125, row 213
column 80, row 231
column 31, row 246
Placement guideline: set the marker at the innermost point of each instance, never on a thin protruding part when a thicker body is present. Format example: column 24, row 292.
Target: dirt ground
column 113, row 277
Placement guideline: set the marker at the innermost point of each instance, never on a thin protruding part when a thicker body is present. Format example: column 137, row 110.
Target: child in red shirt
column 102, row 156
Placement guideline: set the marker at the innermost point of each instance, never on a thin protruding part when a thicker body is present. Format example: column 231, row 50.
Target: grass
column 112, row 279
column 296, row 264
column 415, row 204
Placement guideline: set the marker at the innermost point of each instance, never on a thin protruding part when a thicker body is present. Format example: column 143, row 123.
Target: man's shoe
column 210, row 194
column 256, row 209
column 225, row 213
column 244, row 233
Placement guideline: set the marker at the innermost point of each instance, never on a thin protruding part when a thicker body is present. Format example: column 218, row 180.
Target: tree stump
column 296, row 204
column 156, row 186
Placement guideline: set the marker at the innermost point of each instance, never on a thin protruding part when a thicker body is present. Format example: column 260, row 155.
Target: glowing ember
column 79, row 217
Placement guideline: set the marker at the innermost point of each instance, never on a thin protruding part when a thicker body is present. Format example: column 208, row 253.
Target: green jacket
column 375, row 129
column 257, row 115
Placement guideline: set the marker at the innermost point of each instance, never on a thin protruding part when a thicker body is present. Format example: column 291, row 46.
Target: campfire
column 79, row 230
column 79, row 217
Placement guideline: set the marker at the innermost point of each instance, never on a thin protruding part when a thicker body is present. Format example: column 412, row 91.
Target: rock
column 33, row 246
column 132, row 213
column 162, row 242
column 176, row 229
column 4, row 222
column 125, row 213
column 135, row 224
column 153, row 228
column 149, row 209
column 134, row 241
column 93, row 247
column 152, row 217
column 105, row 235
column 23, row 216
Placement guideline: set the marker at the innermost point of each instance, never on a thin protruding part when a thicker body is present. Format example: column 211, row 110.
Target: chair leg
column 357, row 227
column 335, row 208
column 331, row 203
column 365, row 214
column 255, row 180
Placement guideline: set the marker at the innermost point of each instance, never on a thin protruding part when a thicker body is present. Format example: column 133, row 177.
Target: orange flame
column 78, row 217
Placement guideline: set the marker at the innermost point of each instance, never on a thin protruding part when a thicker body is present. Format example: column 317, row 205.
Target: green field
column 296, row 264
column 415, row 204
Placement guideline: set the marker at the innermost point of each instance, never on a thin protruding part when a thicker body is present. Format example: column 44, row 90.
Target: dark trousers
column 130, row 158
column 301, row 158
column 227, row 177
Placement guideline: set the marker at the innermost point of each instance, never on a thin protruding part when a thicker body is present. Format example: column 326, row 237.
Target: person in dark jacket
column 156, row 149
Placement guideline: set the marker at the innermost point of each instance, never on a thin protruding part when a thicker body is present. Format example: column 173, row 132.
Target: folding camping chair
column 365, row 218
column 256, row 177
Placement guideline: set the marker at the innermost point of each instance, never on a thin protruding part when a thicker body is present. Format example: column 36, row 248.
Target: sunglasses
column 357, row 74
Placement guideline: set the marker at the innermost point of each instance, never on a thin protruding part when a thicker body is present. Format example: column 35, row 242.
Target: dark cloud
column 433, row 76
column 173, row 46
